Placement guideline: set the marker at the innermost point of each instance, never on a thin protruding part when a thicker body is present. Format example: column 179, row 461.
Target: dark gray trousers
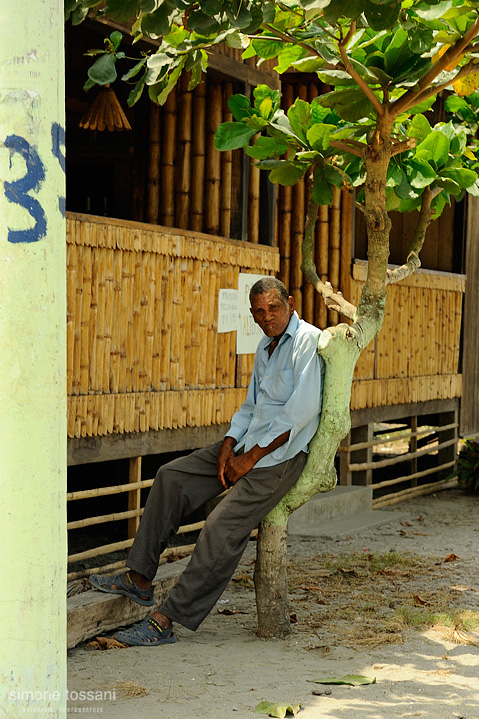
column 181, row 487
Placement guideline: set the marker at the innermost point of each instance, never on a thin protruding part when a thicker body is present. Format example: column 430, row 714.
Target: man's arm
column 236, row 466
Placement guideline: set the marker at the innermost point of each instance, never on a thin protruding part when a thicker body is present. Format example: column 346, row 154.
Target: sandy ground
column 353, row 603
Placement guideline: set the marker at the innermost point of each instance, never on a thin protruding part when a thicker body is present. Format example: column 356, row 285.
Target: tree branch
column 468, row 69
column 362, row 84
column 351, row 146
column 333, row 300
column 413, row 262
column 410, row 97
column 288, row 38
column 403, row 146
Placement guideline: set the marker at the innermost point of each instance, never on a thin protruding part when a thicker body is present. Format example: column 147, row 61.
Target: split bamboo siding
column 143, row 350
column 415, row 358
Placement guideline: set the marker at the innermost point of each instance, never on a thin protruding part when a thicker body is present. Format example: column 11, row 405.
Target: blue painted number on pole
column 18, row 190
column 58, row 139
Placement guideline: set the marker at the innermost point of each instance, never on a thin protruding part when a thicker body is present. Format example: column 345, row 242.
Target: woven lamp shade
column 105, row 112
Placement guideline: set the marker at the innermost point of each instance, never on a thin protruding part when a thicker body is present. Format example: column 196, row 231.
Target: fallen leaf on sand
column 451, row 557
column 277, row 709
column 418, row 602
column 354, row 680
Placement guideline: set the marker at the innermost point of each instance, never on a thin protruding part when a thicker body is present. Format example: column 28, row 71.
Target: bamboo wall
column 143, row 351
column 415, row 358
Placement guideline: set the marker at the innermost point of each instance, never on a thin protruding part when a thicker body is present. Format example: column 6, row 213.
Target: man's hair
column 265, row 285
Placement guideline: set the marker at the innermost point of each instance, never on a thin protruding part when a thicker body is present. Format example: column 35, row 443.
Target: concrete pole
column 32, row 360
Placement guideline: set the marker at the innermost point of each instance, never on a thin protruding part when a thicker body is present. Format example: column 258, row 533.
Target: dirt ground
column 399, row 604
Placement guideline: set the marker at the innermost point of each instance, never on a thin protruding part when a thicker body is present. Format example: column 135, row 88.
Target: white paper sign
column 227, row 310
column 248, row 334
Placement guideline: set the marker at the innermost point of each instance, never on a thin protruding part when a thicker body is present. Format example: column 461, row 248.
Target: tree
column 387, row 61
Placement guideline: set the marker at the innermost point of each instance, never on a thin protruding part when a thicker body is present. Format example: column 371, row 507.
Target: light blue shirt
column 284, row 393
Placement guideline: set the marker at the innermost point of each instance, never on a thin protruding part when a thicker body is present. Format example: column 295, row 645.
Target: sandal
column 123, row 584
column 146, row 633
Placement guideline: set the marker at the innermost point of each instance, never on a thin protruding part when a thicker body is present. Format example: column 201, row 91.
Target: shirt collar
column 289, row 331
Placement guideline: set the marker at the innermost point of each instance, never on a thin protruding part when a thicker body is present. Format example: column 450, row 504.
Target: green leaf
column 381, row 17
column 354, row 680
column 309, row 64
column 122, row 10
column 103, row 70
column 287, row 173
column 350, row 104
column 211, row 7
column 233, row 135
column 438, row 145
column 299, row 115
column 433, row 11
column 201, row 23
column 322, row 192
column 342, row 8
column 335, row 177
column 318, row 136
column 276, row 709
column 420, row 174
column 265, row 147
column 419, row 127
column 464, row 177
column 264, row 92
column 286, row 57
column 172, row 80
column 137, row 91
column 134, row 70
column 116, row 38
column 267, row 49
column 157, row 23
column 240, row 106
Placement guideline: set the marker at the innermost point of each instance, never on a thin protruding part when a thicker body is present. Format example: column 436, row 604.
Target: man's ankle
column 163, row 621
column 141, row 581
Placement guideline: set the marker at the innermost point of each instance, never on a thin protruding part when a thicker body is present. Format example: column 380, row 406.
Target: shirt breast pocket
column 279, row 386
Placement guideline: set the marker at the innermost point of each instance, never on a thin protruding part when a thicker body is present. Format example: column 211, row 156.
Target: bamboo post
column 134, row 496
column 308, row 289
column 284, row 212
column 334, row 248
column 297, row 227
column 154, row 154
column 322, row 263
column 347, row 219
column 226, row 170
column 254, row 183
column 168, row 156
column 184, row 152
column 213, row 161
column 198, row 158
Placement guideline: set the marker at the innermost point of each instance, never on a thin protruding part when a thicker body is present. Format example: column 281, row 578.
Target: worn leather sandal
column 147, row 633
column 123, row 584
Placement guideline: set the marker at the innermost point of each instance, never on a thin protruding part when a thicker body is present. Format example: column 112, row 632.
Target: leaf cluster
column 468, row 466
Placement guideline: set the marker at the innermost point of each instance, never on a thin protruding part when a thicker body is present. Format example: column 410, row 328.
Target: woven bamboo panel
column 387, row 392
column 421, row 333
column 143, row 348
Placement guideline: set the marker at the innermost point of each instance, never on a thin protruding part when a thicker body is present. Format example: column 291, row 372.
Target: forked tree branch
column 360, row 82
column 410, row 98
column 352, row 146
column 333, row 300
column 413, row 262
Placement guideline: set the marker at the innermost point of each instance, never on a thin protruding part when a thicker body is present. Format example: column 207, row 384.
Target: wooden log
column 213, row 161
column 226, row 170
column 183, row 174
column 168, row 157
column 198, row 158
column 154, row 154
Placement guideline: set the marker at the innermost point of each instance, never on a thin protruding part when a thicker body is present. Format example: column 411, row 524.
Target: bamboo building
column 158, row 222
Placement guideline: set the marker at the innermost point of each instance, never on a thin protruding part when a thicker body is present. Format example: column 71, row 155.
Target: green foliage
column 391, row 47
column 468, row 466
column 277, row 709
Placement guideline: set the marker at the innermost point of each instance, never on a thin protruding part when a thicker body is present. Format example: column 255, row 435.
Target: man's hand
column 239, row 465
column 226, row 453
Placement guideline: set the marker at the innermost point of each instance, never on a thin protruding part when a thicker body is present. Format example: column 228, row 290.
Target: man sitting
column 260, row 459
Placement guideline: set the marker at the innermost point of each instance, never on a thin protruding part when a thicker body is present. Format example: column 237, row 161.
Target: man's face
column 271, row 312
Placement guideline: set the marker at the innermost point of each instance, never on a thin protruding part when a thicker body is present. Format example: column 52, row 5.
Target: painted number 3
column 19, row 191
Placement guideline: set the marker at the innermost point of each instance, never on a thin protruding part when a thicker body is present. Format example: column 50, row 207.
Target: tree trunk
column 270, row 577
column 340, row 348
